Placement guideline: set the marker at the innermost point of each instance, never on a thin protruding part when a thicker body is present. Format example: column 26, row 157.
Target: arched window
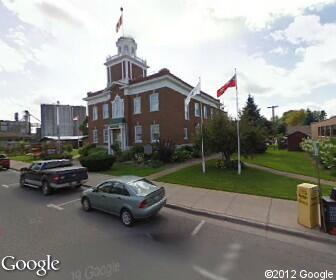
column 118, row 107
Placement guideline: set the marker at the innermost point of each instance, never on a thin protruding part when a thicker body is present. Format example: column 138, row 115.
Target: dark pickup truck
column 4, row 161
column 53, row 174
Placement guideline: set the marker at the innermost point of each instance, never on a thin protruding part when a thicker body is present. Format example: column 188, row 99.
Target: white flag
column 196, row 90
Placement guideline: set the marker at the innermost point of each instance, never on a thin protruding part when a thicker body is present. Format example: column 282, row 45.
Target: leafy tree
column 221, row 136
column 314, row 116
column 84, row 126
column 253, row 129
column 294, row 117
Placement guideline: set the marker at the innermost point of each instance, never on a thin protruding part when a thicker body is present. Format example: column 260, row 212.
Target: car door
column 32, row 175
column 118, row 197
column 98, row 198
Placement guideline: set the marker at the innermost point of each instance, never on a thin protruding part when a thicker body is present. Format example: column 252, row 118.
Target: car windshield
column 143, row 187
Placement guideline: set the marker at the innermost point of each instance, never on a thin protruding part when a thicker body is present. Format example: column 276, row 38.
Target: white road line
column 207, row 274
column 5, row 186
column 197, row 228
column 54, row 206
column 71, row 201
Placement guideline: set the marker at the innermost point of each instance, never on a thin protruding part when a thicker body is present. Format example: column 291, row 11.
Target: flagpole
column 122, row 23
column 238, row 134
column 202, row 145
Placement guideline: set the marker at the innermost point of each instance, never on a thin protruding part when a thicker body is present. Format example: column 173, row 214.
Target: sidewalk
column 291, row 175
column 271, row 214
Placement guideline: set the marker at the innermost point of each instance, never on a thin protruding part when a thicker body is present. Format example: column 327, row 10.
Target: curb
column 246, row 222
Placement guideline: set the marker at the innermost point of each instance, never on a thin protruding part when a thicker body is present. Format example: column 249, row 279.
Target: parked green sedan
column 129, row 197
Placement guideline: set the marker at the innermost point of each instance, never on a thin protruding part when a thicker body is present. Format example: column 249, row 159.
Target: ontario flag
column 231, row 83
column 120, row 21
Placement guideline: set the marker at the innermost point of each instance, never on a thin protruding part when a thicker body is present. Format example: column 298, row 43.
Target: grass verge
column 292, row 162
column 125, row 168
column 251, row 181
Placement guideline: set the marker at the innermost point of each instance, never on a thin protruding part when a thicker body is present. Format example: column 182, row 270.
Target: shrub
column 57, row 156
column 125, row 156
column 230, row 165
column 84, row 151
column 98, row 161
column 166, row 149
column 67, row 148
column 181, row 155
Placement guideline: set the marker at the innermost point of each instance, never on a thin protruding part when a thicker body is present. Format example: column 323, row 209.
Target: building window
column 185, row 133
column 322, row 131
column 197, row 110
column 154, row 102
column 334, row 131
column 105, row 111
column 205, row 111
column 328, row 132
column 155, row 132
column 138, row 134
column 211, row 113
column 319, row 131
column 137, row 105
column 186, row 112
column 106, row 130
column 95, row 113
column 95, row 136
column 197, row 128
column 117, row 107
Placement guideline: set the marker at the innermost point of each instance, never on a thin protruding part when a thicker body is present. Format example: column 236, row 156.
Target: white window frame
column 185, row 133
column 137, row 105
column 152, row 127
column 105, row 132
column 117, row 107
column 95, row 136
column 151, row 104
column 94, row 113
column 106, row 113
column 136, row 140
column 205, row 111
column 197, row 110
column 187, row 112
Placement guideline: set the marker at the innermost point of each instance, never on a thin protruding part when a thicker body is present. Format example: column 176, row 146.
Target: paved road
column 173, row 245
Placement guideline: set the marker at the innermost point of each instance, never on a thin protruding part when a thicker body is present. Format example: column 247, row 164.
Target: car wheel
column 22, row 181
column 46, row 190
column 86, row 204
column 126, row 218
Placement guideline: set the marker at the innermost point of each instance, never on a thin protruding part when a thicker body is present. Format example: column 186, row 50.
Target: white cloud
column 279, row 51
column 10, row 59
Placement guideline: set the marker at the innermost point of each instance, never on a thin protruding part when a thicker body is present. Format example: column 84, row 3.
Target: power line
column 273, row 111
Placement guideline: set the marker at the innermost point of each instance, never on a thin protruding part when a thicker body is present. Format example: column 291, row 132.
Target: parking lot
column 173, row 245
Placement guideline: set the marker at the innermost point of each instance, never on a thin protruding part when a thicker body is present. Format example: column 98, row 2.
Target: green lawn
column 251, row 181
column 120, row 169
column 293, row 162
column 23, row 158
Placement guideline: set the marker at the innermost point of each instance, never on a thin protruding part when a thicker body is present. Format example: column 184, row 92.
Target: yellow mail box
column 308, row 205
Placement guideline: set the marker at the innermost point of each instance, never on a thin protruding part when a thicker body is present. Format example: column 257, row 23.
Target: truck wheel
column 126, row 218
column 86, row 204
column 46, row 190
column 22, row 181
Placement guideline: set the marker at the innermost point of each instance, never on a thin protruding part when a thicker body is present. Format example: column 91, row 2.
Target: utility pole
column 273, row 111
column 58, row 128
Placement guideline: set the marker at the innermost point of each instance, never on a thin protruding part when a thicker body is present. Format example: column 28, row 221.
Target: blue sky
column 284, row 51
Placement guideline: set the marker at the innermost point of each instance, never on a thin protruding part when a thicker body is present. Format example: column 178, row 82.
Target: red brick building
column 138, row 109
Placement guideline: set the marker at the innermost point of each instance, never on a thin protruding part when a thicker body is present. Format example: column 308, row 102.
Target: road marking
column 10, row 185
column 207, row 274
column 5, row 186
column 71, row 201
column 54, row 206
column 197, row 228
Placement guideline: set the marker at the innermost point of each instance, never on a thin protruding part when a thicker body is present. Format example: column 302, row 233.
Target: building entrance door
column 116, row 136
